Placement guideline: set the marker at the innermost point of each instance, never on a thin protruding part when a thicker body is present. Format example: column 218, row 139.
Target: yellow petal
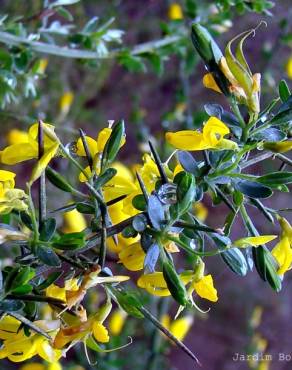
column 100, row 332
column 213, row 131
column 283, row 255
column 47, row 352
column 154, row 284
column 186, row 140
column 225, row 144
column 116, row 321
column 210, row 83
column 180, row 327
column 205, row 288
column 33, row 366
column 102, row 138
column 56, row 292
column 7, row 177
column 66, row 102
column 74, row 222
column 175, row 12
column 289, row 68
column 18, row 153
column 54, row 366
column 43, row 162
column 132, row 257
column 254, row 241
column 92, row 146
column 15, row 136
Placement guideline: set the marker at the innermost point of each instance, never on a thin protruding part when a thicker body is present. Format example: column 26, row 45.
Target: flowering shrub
column 125, row 229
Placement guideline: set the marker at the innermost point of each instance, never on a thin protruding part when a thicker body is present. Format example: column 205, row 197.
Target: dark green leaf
column 186, row 191
column 113, row 144
column 48, row 256
column 10, row 305
column 139, row 202
column 86, row 208
column 129, row 302
column 58, row 180
column 174, row 283
column 23, row 289
column 276, row 178
column 236, row 261
column 284, row 91
column 253, row 189
column 70, row 241
column 105, row 177
column 49, row 280
column 48, row 229
column 25, row 218
column 188, row 162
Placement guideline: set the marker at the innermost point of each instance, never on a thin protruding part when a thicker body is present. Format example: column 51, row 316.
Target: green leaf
column 23, row 289
column 132, row 63
column 48, row 229
column 47, row 256
column 113, row 144
column 105, row 177
column 188, row 162
column 24, row 275
column 270, row 134
column 86, row 208
column 139, row 202
column 253, row 189
column 236, row 261
column 276, row 178
column 70, row 241
column 174, row 283
column 63, row 12
column 284, row 91
column 58, row 180
column 26, row 219
column 10, row 305
column 186, row 191
column 50, row 279
column 129, row 302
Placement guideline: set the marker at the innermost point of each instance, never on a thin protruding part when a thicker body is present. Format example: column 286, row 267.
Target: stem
column 35, row 298
column 247, row 221
column 157, row 323
column 33, row 215
column 42, row 179
column 66, row 52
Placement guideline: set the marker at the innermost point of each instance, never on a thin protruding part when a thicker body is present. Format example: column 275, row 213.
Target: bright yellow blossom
column 38, row 366
column 155, row 284
column 16, row 136
column 283, row 250
column 289, row 68
column 201, row 211
column 11, row 198
column 178, row 327
column 117, row 321
column 74, row 222
column 212, row 137
column 18, row 347
column 29, row 149
column 175, row 12
column 65, row 102
column 132, row 257
column 254, row 241
column 95, row 148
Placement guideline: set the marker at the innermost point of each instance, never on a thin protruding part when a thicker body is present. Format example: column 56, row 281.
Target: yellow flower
column 18, row 347
column 117, row 321
column 155, row 284
column 244, row 85
column 256, row 317
column 254, row 241
column 33, row 366
column 283, row 251
column 15, row 136
column 43, row 63
column 212, row 137
column 175, row 12
column 96, row 148
column 289, row 68
column 205, row 288
column 201, row 212
column 132, row 257
column 178, row 327
column 74, row 222
column 11, row 198
column 65, row 102
column 81, row 332
column 28, row 149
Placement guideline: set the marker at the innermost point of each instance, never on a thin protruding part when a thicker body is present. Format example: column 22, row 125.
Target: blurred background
column 155, row 91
